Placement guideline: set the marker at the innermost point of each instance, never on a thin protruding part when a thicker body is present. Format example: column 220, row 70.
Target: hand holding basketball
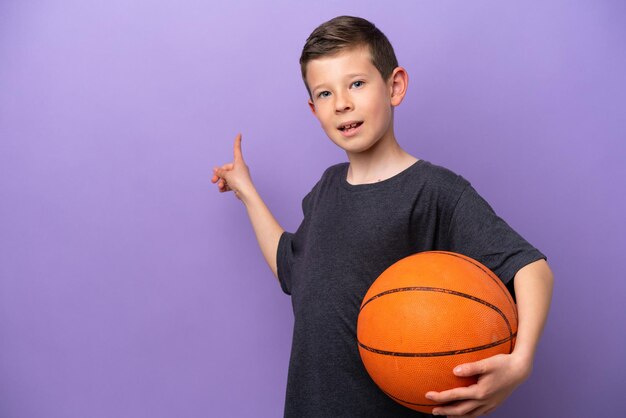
column 233, row 176
column 498, row 376
column 429, row 313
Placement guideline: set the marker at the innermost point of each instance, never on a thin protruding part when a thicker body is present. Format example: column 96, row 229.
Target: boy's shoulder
column 443, row 177
column 334, row 169
column 423, row 180
column 422, row 171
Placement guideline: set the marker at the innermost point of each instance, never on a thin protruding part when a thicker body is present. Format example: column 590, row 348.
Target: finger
column 472, row 369
column 461, row 409
column 221, row 172
column 451, row 395
column 224, row 185
column 238, row 154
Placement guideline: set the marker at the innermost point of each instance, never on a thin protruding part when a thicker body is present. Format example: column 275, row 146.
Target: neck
column 383, row 160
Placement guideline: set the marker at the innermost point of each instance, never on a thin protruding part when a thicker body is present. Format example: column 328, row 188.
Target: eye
column 358, row 81
column 320, row 95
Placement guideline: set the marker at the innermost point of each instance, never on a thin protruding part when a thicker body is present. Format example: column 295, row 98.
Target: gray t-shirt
column 349, row 235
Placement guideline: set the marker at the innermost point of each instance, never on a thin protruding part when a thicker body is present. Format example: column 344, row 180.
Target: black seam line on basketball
column 437, row 353
column 491, row 274
column 496, row 279
column 450, row 292
column 410, row 403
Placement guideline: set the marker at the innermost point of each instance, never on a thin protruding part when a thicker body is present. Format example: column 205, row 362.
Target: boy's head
column 354, row 82
column 348, row 32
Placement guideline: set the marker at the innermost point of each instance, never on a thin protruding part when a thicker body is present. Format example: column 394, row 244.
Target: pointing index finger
column 238, row 154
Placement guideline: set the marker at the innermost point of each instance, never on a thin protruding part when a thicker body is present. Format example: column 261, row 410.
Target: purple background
column 129, row 287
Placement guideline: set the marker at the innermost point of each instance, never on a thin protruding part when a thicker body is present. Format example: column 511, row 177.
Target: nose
column 343, row 102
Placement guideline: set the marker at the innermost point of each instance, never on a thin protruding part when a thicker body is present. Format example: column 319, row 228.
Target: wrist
column 523, row 352
column 523, row 361
column 247, row 195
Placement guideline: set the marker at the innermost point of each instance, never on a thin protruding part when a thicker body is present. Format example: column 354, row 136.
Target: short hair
column 346, row 32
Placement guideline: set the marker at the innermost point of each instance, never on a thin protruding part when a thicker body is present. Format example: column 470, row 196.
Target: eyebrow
column 347, row 76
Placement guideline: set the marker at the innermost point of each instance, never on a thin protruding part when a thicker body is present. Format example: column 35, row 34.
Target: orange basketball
column 426, row 314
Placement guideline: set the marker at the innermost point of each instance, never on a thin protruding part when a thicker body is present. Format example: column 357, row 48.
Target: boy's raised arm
column 235, row 177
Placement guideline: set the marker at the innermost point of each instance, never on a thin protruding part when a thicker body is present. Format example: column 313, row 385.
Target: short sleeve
column 290, row 246
column 284, row 258
column 478, row 232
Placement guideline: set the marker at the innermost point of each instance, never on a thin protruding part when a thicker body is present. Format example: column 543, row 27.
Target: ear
column 312, row 106
column 398, row 84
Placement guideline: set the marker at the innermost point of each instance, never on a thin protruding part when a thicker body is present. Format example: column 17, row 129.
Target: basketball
column 425, row 315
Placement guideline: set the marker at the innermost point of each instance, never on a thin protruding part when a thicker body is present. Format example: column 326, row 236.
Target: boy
column 363, row 216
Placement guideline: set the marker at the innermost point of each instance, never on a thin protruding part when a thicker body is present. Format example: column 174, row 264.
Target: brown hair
column 343, row 32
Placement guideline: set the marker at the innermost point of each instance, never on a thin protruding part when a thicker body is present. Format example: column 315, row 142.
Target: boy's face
column 347, row 87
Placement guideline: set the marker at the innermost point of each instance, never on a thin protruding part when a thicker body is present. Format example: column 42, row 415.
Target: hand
column 498, row 376
column 233, row 176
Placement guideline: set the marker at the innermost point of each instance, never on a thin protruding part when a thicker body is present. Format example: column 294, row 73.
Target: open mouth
column 348, row 128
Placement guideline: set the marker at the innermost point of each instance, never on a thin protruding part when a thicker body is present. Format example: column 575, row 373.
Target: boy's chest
column 349, row 243
column 362, row 227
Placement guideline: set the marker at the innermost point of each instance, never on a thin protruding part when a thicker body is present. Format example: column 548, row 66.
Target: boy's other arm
column 534, row 282
column 236, row 177
column 265, row 226
column 501, row 374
